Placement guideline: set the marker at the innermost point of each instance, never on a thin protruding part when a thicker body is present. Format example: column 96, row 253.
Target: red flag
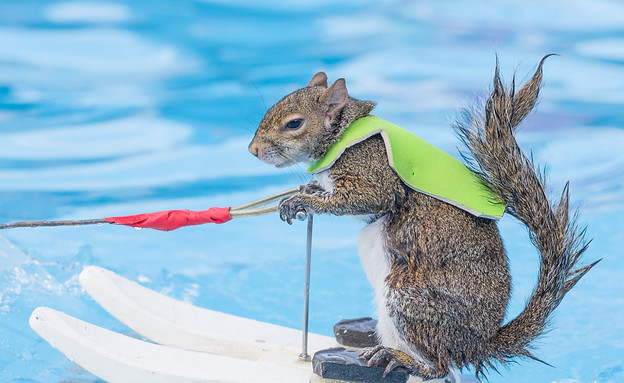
column 172, row 219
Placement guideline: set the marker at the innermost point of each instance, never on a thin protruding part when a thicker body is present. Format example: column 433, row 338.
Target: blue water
column 115, row 108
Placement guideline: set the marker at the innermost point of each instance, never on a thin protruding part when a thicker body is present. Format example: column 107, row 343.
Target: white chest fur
column 374, row 258
column 376, row 263
column 325, row 180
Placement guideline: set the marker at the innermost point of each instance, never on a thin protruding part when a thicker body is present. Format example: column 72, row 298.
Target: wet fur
column 442, row 284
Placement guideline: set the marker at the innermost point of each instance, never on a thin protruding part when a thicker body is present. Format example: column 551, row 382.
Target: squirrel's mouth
column 284, row 164
column 279, row 162
column 277, row 158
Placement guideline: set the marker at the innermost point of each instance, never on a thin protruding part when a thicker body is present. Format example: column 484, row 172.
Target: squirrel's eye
column 295, row 124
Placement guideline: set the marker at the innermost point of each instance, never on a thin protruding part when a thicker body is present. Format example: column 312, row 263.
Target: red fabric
column 172, row 219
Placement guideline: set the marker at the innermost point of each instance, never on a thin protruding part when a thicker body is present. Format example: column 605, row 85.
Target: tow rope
column 168, row 220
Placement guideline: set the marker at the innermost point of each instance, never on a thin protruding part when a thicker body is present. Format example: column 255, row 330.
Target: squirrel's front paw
column 290, row 206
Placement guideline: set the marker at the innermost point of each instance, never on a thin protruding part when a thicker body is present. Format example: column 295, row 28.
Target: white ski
column 171, row 322
column 192, row 344
column 118, row 358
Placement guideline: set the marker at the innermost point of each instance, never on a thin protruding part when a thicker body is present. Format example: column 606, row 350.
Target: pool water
column 116, row 108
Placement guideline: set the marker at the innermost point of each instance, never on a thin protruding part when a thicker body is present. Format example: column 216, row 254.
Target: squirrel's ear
column 336, row 97
column 319, row 79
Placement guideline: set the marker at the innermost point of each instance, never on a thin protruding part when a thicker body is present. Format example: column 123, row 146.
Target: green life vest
column 420, row 165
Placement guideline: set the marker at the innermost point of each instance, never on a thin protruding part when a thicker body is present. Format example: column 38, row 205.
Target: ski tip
column 89, row 273
column 36, row 316
column 39, row 319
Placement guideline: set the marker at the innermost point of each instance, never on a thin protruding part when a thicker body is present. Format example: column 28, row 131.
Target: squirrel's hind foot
column 393, row 359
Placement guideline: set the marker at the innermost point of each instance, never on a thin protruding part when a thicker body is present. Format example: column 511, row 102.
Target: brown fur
column 449, row 282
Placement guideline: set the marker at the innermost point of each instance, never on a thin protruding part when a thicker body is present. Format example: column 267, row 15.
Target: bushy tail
column 495, row 155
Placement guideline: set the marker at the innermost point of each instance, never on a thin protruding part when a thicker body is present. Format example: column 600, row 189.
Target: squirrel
column 440, row 274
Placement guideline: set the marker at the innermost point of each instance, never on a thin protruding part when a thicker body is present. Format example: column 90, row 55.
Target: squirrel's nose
column 253, row 149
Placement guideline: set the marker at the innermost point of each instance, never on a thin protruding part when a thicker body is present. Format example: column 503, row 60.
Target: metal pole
column 306, row 294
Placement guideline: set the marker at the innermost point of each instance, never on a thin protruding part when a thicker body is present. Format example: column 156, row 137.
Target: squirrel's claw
column 289, row 206
column 368, row 352
column 391, row 358
column 394, row 363
column 379, row 358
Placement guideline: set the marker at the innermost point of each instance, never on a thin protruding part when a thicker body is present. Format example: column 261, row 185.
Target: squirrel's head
column 302, row 125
